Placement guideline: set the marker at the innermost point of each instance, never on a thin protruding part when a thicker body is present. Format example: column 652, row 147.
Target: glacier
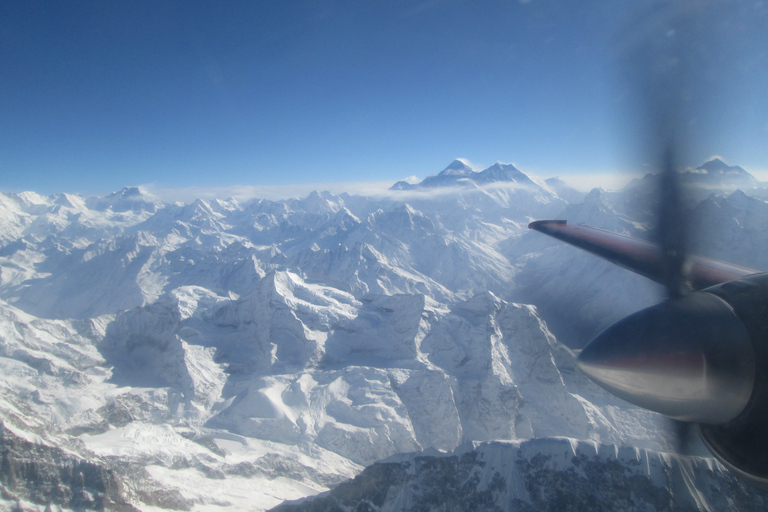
column 220, row 354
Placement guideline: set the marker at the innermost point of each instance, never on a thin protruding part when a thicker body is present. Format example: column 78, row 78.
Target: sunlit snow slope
column 221, row 355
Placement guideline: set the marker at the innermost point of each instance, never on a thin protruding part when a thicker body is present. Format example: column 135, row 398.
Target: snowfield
column 221, row 355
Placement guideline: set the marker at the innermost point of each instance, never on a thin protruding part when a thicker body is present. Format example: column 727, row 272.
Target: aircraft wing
column 640, row 256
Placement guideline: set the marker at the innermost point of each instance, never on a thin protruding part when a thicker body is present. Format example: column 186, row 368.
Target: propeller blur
column 700, row 357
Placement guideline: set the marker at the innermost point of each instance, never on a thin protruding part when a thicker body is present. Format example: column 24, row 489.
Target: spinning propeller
column 700, row 357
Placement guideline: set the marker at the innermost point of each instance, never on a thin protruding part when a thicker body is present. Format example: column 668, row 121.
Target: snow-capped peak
column 459, row 167
column 717, row 173
column 134, row 199
column 500, row 172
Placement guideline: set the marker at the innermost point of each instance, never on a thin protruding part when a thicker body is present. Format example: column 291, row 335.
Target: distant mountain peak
column 401, row 185
column 716, row 172
column 459, row 167
column 714, row 162
column 717, row 166
column 713, row 175
column 131, row 192
column 500, row 172
column 128, row 198
column 460, row 173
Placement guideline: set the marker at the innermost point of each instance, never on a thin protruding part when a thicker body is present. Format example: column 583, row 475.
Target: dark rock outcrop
column 548, row 474
column 37, row 473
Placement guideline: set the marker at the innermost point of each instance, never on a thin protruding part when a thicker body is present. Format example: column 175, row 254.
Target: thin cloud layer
column 273, row 192
column 607, row 181
column 279, row 192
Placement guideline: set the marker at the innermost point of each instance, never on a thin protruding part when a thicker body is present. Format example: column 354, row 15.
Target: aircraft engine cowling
column 742, row 443
column 702, row 358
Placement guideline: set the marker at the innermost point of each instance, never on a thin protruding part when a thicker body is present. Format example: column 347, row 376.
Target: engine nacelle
column 702, row 358
column 742, row 443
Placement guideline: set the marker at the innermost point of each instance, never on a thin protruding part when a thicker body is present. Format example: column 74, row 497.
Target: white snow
column 244, row 354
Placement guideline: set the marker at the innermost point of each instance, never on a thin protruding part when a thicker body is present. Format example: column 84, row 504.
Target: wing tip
column 538, row 225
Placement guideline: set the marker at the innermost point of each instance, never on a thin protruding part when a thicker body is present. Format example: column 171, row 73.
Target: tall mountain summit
column 716, row 173
column 460, row 174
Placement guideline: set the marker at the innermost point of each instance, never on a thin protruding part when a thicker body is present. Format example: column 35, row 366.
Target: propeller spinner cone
column 688, row 358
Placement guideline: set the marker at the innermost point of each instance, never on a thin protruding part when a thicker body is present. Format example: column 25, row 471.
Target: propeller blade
column 672, row 229
column 657, row 68
column 684, row 435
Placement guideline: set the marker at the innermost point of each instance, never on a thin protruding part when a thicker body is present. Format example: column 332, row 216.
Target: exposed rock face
column 538, row 475
column 37, row 473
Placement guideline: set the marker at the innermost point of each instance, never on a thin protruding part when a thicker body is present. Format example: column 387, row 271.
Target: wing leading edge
column 640, row 256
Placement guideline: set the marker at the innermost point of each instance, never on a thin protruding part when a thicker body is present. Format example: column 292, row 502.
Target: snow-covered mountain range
column 231, row 355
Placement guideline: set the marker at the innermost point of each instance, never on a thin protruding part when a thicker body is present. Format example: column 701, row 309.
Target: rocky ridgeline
column 224, row 355
column 540, row 474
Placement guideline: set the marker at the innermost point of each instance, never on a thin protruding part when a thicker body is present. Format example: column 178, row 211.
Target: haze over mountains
column 231, row 355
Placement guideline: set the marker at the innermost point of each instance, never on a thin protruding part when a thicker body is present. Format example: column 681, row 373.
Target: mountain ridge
column 208, row 351
column 459, row 173
column 539, row 474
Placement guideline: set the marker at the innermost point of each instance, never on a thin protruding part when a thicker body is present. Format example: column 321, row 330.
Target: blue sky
column 98, row 95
